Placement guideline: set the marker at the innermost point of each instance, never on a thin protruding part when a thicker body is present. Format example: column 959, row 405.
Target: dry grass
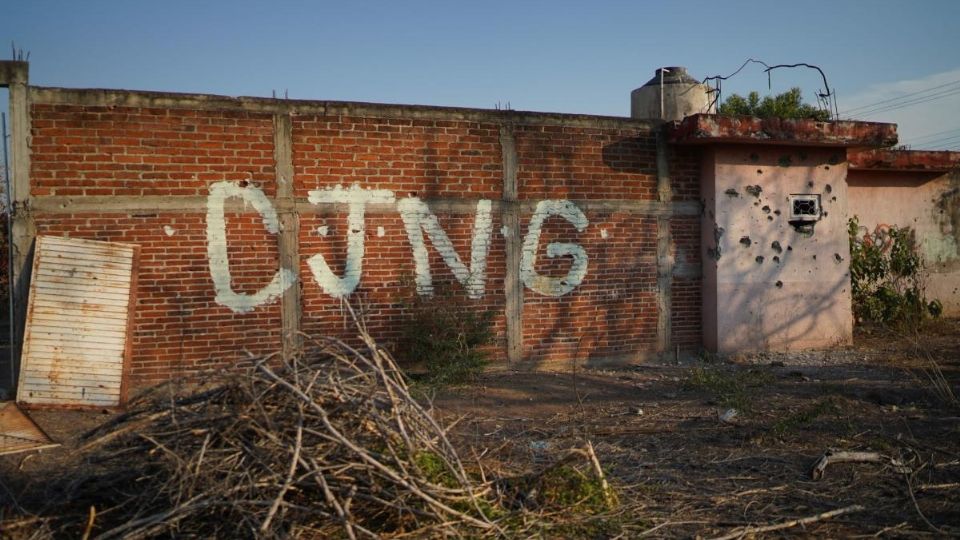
column 325, row 444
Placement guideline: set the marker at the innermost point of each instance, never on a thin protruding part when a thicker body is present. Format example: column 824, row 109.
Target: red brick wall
column 450, row 163
column 80, row 150
column 179, row 329
column 613, row 313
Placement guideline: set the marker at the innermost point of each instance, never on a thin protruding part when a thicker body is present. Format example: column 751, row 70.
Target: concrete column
column 289, row 237
column 513, row 288
column 665, row 259
column 15, row 76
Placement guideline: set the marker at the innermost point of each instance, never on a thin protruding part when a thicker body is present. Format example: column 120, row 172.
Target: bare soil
column 680, row 470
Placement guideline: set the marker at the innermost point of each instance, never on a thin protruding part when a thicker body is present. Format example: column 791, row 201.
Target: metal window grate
column 804, row 207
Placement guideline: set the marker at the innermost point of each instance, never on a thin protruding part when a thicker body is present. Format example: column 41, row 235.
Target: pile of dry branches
column 329, row 443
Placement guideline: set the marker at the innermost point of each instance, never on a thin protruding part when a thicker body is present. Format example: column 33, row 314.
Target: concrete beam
column 126, row 204
column 15, row 75
column 14, row 72
column 717, row 129
column 665, row 250
column 510, row 216
column 131, row 98
column 291, row 308
column 905, row 160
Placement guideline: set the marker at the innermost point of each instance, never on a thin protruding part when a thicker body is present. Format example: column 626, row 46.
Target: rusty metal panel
column 76, row 341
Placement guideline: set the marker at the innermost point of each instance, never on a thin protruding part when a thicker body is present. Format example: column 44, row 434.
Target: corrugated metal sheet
column 18, row 433
column 76, row 342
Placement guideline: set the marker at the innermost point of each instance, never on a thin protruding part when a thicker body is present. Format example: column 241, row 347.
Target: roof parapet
column 714, row 129
column 905, row 160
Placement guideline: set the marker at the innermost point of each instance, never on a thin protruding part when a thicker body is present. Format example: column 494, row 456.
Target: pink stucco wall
column 766, row 285
column 929, row 202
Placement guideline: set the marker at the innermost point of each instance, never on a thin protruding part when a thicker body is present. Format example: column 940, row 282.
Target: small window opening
column 804, row 207
column 805, row 211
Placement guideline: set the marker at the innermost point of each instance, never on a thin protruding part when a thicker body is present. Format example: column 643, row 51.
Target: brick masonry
column 140, row 167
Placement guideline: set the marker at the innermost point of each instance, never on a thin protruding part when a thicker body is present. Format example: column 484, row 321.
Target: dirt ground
column 705, row 448
column 682, row 472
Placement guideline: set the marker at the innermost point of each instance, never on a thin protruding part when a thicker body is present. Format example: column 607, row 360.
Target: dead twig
column 745, row 531
column 819, row 467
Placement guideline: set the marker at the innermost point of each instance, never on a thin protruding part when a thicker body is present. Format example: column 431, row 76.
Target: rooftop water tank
column 682, row 96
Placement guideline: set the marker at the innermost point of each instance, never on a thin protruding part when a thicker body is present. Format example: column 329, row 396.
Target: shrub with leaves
column 886, row 277
column 786, row 105
column 447, row 336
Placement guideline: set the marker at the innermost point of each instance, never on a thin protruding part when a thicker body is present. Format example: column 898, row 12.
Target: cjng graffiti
column 417, row 220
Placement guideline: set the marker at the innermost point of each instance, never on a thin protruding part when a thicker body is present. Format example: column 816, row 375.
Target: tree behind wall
column 786, row 105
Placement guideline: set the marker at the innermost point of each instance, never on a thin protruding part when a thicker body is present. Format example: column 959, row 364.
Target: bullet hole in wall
column 759, row 259
column 779, row 284
column 769, row 218
column 732, row 192
column 828, row 188
column 776, row 259
column 810, row 184
column 754, row 190
column 745, row 240
column 766, row 209
column 814, row 257
column 838, row 258
column 776, row 246
column 714, row 253
column 759, row 171
column 789, row 248
column 777, row 212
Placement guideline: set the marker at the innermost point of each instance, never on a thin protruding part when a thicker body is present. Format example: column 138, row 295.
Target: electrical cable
column 915, row 101
column 936, row 135
column 871, row 105
column 939, row 142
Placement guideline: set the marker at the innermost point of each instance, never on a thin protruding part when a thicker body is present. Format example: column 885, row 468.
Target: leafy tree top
column 786, row 105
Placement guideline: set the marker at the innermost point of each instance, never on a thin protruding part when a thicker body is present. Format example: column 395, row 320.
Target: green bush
column 886, row 277
column 786, row 105
column 447, row 336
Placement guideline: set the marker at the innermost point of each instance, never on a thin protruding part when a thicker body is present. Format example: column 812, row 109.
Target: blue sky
column 576, row 57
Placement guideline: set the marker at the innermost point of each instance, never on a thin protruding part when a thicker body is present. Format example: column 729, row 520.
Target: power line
column 941, row 142
column 916, row 101
column 901, row 104
column 935, row 135
column 871, row 105
column 936, row 140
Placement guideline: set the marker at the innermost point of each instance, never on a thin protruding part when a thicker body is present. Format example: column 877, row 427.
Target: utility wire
column 937, row 134
column 871, row 105
column 944, row 142
column 916, row 101
column 902, row 104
